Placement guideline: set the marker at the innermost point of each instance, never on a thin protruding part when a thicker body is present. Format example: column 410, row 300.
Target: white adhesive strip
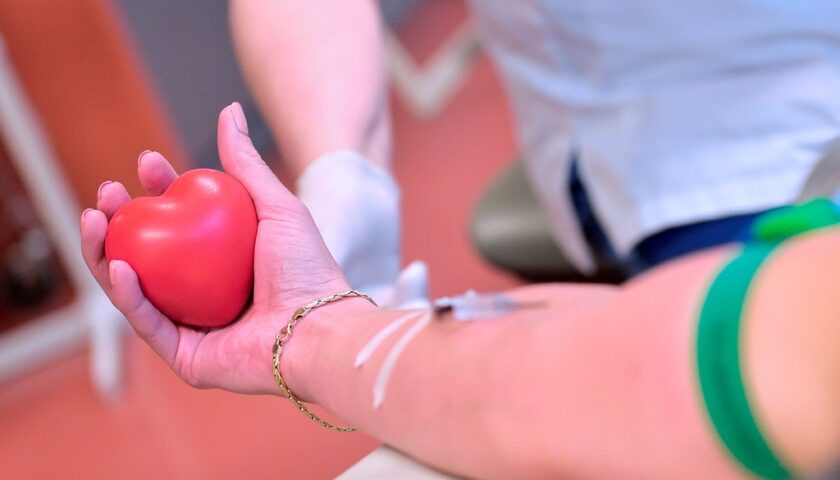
column 381, row 384
column 370, row 348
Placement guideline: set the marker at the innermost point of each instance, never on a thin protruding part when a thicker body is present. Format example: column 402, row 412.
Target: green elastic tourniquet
column 719, row 365
column 718, row 336
column 790, row 221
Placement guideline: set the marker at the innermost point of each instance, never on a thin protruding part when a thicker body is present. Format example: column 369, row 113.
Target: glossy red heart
column 192, row 247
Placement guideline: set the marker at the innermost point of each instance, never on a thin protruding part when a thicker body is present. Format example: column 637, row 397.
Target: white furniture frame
column 427, row 89
column 90, row 318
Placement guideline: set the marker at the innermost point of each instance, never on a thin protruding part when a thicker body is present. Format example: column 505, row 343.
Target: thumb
column 241, row 160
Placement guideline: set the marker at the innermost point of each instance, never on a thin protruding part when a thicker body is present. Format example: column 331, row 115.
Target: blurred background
column 85, row 86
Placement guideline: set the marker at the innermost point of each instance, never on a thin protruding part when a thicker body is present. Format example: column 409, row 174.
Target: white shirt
column 680, row 111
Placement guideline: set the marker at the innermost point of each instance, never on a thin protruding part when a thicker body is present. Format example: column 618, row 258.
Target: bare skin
column 317, row 71
column 599, row 383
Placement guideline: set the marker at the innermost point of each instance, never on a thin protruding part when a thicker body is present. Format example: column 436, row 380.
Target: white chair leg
column 106, row 335
column 92, row 318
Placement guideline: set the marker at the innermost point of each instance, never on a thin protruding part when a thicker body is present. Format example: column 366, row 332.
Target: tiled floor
column 52, row 425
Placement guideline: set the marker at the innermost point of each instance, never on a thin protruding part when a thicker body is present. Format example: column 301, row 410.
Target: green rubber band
column 719, row 365
column 719, row 335
column 793, row 220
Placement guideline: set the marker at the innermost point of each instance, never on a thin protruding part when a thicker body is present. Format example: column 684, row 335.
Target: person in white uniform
column 663, row 116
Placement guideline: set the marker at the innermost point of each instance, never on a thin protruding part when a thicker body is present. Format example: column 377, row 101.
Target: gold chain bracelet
column 283, row 336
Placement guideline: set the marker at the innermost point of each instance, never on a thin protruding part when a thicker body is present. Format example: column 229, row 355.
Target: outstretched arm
column 601, row 383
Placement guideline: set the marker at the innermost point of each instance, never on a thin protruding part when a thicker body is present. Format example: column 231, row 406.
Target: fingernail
column 140, row 157
column 239, row 118
column 99, row 192
column 84, row 214
column 112, row 272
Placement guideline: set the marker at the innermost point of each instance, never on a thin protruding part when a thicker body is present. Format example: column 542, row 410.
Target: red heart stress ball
column 192, row 247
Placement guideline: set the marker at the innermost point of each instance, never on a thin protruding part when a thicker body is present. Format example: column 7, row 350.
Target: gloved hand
column 355, row 205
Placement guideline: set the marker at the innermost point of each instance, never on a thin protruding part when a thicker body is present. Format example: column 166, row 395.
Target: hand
column 291, row 267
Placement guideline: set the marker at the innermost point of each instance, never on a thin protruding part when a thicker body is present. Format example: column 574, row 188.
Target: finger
column 93, row 227
column 155, row 172
column 240, row 159
column 151, row 325
column 111, row 196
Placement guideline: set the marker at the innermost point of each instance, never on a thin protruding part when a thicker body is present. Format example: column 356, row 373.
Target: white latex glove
column 411, row 290
column 355, row 205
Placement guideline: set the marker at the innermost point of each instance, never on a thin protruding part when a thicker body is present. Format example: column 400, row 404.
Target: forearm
column 591, row 385
column 445, row 403
column 316, row 69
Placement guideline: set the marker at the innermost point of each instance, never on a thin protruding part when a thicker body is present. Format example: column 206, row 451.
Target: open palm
column 291, row 267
